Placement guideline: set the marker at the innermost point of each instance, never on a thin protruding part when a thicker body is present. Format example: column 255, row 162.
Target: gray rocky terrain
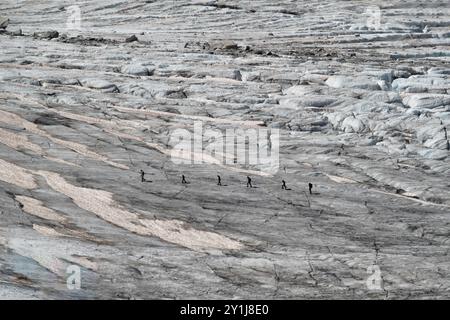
column 362, row 111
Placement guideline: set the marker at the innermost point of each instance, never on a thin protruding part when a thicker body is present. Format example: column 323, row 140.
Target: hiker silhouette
column 283, row 186
column 142, row 176
column 310, row 187
column 249, row 182
column 183, row 179
column 219, row 181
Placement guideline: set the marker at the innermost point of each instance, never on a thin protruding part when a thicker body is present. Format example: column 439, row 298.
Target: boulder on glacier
column 300, row 90
column 361, row 82
column 137, row 70
column 384, row 75
column 316, row 101
column 426, row 101
column 3, row 22
column 99, row 84
column 435, row 84
column 353, row 125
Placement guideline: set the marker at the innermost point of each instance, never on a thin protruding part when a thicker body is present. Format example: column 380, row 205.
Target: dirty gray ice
column 362, row 106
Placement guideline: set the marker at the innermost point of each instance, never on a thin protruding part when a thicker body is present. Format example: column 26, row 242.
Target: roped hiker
column 249, row 182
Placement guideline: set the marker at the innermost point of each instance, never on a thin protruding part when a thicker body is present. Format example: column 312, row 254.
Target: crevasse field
column 359, row 92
